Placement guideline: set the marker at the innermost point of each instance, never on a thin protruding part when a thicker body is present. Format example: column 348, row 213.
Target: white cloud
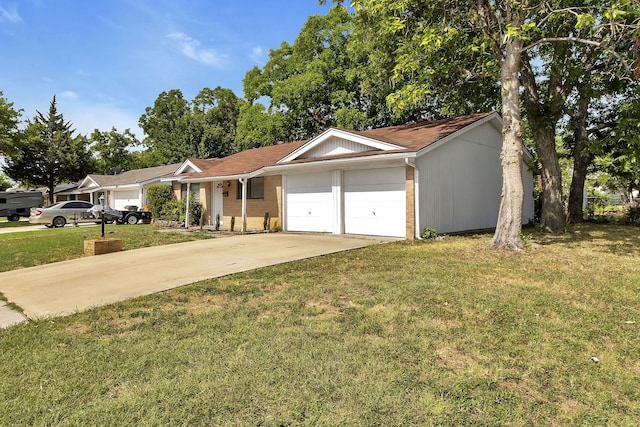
column 258, row 55
column 10, row 13
column 191, row 49
column 69, row 94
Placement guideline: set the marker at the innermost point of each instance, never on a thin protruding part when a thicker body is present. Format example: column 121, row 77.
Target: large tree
column 9, row 121
column 112, row 150
column 48, row 153
column 312, row 84
column 453, row 51
column 204, row 128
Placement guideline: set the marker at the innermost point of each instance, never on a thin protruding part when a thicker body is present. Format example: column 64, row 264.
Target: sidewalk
column 72, row 286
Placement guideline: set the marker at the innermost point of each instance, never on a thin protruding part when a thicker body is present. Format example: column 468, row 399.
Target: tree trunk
column 509, row 224
column 582, row 158
column 581, row 161
column 552, row 217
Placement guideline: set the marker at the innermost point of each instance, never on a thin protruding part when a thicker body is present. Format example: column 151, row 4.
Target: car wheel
column 14, row 217
column 132, row 220
column 48, row 225
column 58, row 222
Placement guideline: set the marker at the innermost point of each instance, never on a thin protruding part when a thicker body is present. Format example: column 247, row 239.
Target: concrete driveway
column 72, row 286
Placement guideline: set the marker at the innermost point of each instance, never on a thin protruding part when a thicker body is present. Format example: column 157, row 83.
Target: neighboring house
column 68, row 191
column 124, row 189
column 393, row 181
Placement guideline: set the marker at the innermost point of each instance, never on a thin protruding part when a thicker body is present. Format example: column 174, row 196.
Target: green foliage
column 9, row 121
column 113, row 150
column 157, row 197
column 5, row 182
column 195, row 211
column 633, row 213
column 276, row 227
column 47, row 153
column 173, row 210
column 265, row 222
column 203, row 128
column 429, row 233
column 37, row 247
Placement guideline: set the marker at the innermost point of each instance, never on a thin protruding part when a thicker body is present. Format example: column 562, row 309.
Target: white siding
column 460, row 182
column 309, row 201
column 375, row 202
column 335, row 146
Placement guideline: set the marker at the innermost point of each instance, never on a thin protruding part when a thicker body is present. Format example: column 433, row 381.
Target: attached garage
column 124, row 198
column 375, row 202
column 309, row 202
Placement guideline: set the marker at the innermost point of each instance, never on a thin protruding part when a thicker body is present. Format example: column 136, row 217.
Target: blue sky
column 106, row 60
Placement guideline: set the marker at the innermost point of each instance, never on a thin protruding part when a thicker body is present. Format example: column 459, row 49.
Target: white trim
column 338, row 133
column 187, row 164
column 336, row 163
column 285, row 203
column 337, row 189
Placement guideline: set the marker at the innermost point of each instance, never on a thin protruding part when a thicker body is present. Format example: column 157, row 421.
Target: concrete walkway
column 72, row 286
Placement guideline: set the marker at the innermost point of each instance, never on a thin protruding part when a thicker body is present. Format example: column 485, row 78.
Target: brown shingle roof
column 244, row 162
column 417, row 136
column 412, row 137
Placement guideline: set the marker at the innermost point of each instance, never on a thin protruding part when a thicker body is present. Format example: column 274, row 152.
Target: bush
column 157, row 197
column 429, row 234
column 633, row 213
column 195, row 211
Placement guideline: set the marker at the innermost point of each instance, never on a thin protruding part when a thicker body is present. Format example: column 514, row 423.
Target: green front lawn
column 29, row 248
column 406, row 333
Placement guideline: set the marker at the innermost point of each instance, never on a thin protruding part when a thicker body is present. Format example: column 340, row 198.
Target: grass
column 30, row 248
column 8, row 224
column 407, row 333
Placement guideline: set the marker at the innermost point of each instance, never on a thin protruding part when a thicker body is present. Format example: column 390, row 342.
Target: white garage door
column 126, row 198
column 375, row 202
column 310, row 202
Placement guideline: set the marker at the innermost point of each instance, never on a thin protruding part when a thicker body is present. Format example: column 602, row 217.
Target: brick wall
column 410, row 203
column 256, row 208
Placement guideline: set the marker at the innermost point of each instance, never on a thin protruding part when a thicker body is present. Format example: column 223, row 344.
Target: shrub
column 195, row 211
column 157, row 196
column 233, row 222
column 633, row 213
column 276, row 227
column 429, row 234
column 218, row 222
column 265, row 223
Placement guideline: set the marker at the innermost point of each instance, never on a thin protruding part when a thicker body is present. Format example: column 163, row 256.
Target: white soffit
column 337, row 137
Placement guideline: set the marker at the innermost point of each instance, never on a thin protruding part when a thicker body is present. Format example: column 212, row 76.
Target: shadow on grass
column 605, row 238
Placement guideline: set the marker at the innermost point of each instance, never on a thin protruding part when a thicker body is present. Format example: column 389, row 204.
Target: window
column 194, row 191
column 255, row 189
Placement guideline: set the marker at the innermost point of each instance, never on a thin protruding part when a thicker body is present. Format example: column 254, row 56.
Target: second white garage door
column 310, row 202
column 375, row 202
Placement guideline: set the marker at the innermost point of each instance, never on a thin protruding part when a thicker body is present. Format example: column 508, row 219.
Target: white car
column 73, row 211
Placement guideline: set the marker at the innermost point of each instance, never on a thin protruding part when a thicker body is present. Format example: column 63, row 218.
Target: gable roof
column 394, row 140
column 132, row 177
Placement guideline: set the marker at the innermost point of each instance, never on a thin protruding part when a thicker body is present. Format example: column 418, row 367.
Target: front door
column 217, row 202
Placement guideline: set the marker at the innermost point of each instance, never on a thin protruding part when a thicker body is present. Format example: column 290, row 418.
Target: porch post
column 186, row 215
column 243, row 181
